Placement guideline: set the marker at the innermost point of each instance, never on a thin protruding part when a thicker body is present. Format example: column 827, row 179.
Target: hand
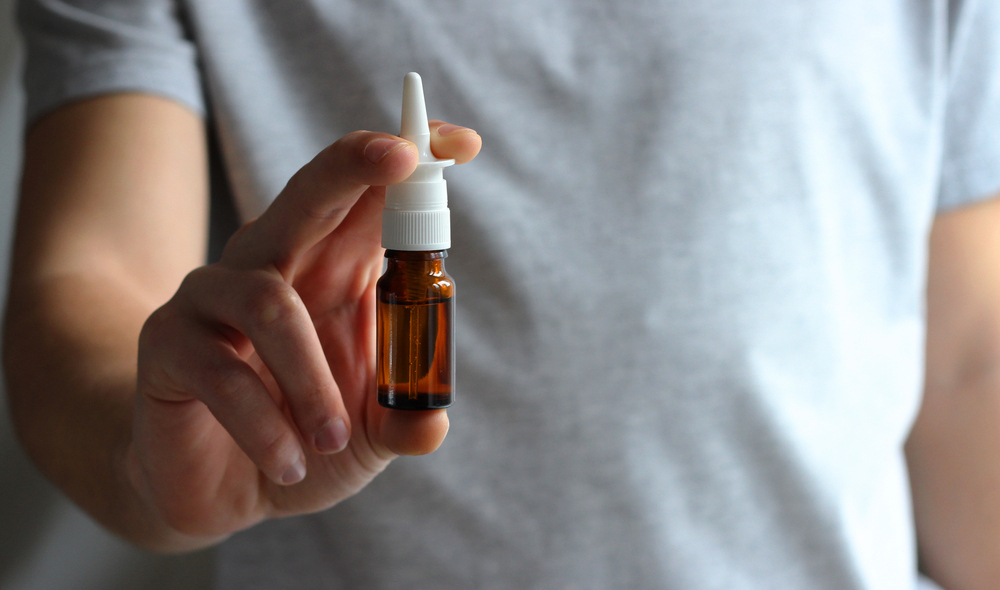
column 256, row 394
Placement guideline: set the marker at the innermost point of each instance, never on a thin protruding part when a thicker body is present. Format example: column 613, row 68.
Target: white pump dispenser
column 416, row 215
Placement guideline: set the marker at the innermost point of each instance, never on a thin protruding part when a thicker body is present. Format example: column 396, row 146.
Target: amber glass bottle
column 415, row 298
column 415, row 326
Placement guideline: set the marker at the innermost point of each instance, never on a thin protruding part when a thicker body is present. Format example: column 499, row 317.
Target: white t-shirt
column 690, row 265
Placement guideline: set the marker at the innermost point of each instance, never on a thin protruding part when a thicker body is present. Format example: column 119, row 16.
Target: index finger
column 319, row 196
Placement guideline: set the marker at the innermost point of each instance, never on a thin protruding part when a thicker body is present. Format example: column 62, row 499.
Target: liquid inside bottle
column 415, row 330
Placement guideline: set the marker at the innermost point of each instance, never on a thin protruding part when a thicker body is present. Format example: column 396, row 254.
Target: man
column 691, row 265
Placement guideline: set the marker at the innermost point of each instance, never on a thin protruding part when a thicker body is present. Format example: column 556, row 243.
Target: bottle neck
column 416, row 254
column 423, row 261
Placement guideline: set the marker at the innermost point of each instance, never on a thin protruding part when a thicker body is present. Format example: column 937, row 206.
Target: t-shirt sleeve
column 75, row 49
column 970, row 168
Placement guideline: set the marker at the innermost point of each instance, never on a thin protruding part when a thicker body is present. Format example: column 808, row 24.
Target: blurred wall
column 46, row 543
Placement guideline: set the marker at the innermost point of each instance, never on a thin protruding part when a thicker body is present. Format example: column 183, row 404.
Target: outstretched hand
column 256, row 380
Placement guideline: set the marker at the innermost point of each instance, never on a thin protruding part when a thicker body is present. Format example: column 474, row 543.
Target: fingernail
column 333, row 437
column 380, row 147
column 295, row 473
column 448, row 129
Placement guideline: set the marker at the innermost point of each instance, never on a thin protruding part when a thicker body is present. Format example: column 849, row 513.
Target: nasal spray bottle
column 415, row 296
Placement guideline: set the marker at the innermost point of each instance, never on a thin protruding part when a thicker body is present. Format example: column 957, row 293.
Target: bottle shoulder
column 412, row 287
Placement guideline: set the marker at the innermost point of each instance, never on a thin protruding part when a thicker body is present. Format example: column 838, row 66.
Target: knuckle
column 351, row 139
column 161, row 345
column 274, row 450
column 333, row 212
column 310, row 407
column 196, row 286
column 298, row 183
column 153, row 326
column 311, row 180
column 195, row 279
column 240, row 246
column 185, row 516
column 151, row 334
column 348, row 149
column 156, row 331
column 239, row 235
column 225, row 385
column 273, row 302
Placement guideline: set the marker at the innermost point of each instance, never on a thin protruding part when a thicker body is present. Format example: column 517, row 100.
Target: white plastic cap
column 416, row 215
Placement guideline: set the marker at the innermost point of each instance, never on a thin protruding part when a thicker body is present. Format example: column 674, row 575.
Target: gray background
column 45, row 542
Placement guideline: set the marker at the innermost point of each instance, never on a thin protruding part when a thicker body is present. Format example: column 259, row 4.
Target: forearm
column 954, row 449
column 112, row 216
column 954, row 456
column 70, row 362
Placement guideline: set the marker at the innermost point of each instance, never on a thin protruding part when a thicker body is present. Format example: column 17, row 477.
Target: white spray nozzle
column 413, row 126
column 416, row 215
